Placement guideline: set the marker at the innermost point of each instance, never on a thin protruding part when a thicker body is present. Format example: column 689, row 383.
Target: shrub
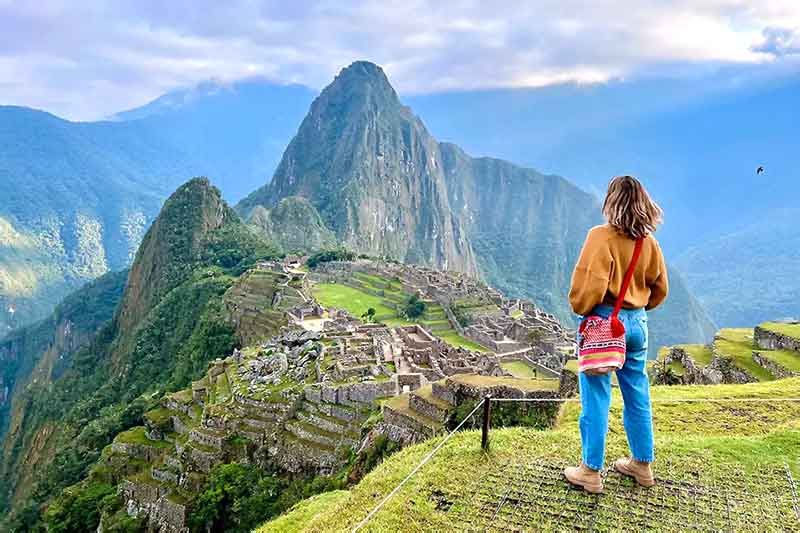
column 413, row 307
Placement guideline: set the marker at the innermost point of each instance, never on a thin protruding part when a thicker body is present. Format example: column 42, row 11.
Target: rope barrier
column 420, row 465
column 541, row 400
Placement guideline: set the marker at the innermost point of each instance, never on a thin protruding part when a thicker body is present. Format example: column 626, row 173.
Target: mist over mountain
column 69, row 219
column 748, row 275
column 234, row 132
column 76, row 201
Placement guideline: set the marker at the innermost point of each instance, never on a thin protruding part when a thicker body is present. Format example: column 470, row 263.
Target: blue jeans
column 595, row 394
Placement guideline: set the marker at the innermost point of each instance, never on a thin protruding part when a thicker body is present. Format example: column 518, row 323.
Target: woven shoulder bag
column 602, row 340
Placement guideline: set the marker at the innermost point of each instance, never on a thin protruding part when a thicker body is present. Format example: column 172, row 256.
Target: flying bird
column 759, row 170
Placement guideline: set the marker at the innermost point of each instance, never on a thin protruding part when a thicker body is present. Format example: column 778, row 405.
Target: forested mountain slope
column 168, row 325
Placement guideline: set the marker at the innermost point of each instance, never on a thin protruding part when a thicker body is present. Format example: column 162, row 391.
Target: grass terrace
column 712, row 458
column 529, row 385
column 786, row 358
column 701, row 353
column 356, row 302
column 137, row 435
column 519, row 369
column 790, row 330
column 737, row 343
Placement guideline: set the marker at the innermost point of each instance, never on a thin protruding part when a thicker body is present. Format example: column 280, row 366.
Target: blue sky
column 85, row 60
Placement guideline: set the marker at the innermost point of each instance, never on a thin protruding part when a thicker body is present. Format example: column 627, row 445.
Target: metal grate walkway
column 535, row 497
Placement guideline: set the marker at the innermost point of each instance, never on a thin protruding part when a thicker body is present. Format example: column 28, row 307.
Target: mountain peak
column 361, row 83
column 362, row 70
column 173, row 244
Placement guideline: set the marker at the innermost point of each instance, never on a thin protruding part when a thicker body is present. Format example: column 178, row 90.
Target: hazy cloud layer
column 85, row 59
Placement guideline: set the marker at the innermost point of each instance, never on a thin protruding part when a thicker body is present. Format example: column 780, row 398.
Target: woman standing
column 596, row 283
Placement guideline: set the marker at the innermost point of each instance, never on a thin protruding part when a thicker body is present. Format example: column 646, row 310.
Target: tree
column 369, row 315
column 413, row 307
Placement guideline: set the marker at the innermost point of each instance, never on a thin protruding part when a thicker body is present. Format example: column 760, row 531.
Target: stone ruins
column 297, row 398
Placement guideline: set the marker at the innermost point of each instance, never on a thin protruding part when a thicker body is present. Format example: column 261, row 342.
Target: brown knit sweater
column 601, row 267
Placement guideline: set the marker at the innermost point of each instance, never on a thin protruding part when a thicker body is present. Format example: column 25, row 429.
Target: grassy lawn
column 790, row 330
column 137, row 435
column 737, row 343
column 357, row 302
column 737, row 447
column 519, row 369
column 525, row 384
column 352, row 300
column 452, row 338
column 302, row 514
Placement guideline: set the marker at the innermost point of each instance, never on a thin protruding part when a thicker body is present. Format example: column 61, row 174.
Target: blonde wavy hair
column 629, row 209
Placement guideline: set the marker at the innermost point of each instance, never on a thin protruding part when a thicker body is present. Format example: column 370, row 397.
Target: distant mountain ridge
column 748, row 275
column 77, row 197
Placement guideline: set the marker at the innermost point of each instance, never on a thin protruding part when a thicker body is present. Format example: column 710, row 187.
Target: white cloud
column 86, row 60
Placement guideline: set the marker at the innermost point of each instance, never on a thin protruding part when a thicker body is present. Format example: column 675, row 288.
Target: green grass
column 790, row 330
column 699, row 352
column 737, row 343
column 701, row 443
column 222, row 387
column 159, row 417
column 786, row 358
column 301, row 515
column 525, row 384
column 353, row 301
column 137, row 436
column 454, row 339
column 519, row 369
column 426, row 392
column 357, row 302
column 400, row 404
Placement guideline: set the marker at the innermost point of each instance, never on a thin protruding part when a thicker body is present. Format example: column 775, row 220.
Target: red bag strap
column 637, row 249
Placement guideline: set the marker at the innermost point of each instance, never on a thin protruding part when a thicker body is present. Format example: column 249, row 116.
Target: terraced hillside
column 724, row 465
column 363, row 291
column 737, row 355
column 257, row 303
column 275, row 406
column 228, row 416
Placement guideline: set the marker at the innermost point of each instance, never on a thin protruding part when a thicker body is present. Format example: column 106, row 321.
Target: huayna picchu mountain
column 76, row 390
column 386, row 187
column 373, row 172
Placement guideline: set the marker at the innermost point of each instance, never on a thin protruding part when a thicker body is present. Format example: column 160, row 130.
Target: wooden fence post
column 487, row 415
